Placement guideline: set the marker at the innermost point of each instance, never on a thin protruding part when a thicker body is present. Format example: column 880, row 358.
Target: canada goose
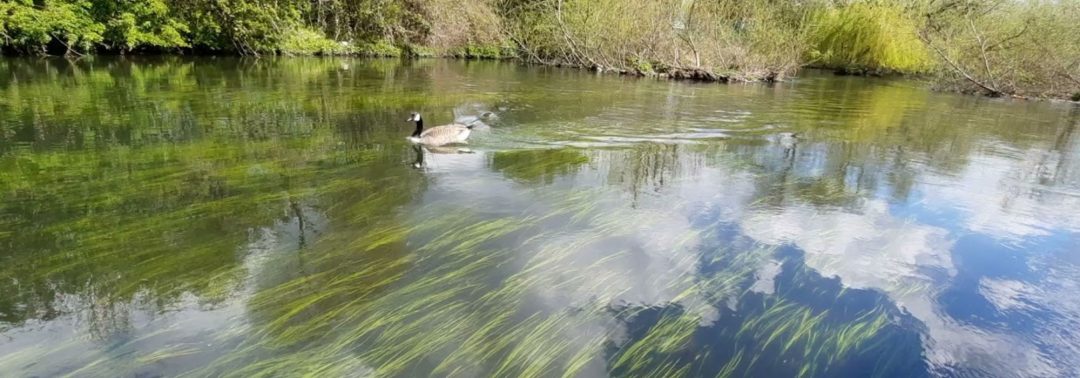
column 788, row 140
column 438, row 135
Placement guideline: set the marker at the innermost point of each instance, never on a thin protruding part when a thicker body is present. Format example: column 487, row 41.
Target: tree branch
column 982, row 52
column 1009, row 38
column 566, row 35
column 956, row 67
column 67, row 49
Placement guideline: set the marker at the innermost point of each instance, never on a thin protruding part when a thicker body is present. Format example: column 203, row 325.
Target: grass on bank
column 993, row 47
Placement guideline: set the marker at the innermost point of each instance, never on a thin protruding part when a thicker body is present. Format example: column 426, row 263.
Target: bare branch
column 1009, row 38
column 570, row 41
column 982, row 52
column 956, row 67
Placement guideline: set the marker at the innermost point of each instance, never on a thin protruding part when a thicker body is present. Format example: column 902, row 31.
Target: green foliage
column 643, row 66
column 418, row 51
column 379, row 48
column 994, row 47
column 31, row 27
column 141, row 23
column 738, row 40
column 471, row 28
column 253, row 28
column 868, row 37
column 304, row 41
column 485, row 51
column 1029, row 48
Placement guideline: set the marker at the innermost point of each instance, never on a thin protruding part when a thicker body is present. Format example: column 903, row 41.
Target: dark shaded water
column 210, row 217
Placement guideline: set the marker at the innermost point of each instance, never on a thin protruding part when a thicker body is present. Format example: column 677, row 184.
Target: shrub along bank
column 993, row 47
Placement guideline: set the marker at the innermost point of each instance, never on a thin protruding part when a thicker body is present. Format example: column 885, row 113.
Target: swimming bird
column 788, row 140
column 438, row 135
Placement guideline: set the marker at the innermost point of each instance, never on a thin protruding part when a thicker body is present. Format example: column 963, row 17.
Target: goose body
column 439, row 135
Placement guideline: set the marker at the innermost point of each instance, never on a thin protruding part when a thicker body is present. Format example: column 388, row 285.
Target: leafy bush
column 141, row 23
column 1007, row 48
column 740, row 40
column 482, row 51
column 994, row 47
column 304, row 41
column 380, row 48
column 867, row 37
column 469, row 28
column 24, row 25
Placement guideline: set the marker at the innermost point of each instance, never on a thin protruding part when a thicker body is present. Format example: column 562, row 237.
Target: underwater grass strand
column 463, row 292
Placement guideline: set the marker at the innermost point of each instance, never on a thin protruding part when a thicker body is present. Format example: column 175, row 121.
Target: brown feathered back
column 445, row 134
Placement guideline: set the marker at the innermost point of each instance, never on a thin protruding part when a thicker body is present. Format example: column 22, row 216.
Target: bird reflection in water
column 422, row 151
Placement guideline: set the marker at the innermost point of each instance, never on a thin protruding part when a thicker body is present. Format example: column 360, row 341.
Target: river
column 172, row 216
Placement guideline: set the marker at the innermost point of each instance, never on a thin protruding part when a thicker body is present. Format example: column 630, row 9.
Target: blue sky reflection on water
column 966, row 264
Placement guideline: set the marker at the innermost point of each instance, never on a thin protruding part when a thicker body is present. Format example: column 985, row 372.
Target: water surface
column 227, row 217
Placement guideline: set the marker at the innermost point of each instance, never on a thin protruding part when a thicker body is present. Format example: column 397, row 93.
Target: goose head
column 415, row 117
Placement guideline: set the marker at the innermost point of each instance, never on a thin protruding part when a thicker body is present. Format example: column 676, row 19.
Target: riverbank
column 1029, row 49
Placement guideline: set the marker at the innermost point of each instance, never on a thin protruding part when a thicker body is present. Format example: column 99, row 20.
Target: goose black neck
column 419, row 128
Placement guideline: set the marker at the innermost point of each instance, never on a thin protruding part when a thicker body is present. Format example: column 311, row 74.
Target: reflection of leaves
column 103, row 102
column 150, row 180
column 165, row 220
column 537, row 166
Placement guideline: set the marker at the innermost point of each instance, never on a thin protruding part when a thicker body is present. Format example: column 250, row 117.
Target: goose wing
column 444, row 134
column 452, row 129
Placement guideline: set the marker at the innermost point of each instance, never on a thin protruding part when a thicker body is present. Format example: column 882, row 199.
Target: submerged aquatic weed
column 379, row 283
column 449, row 306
